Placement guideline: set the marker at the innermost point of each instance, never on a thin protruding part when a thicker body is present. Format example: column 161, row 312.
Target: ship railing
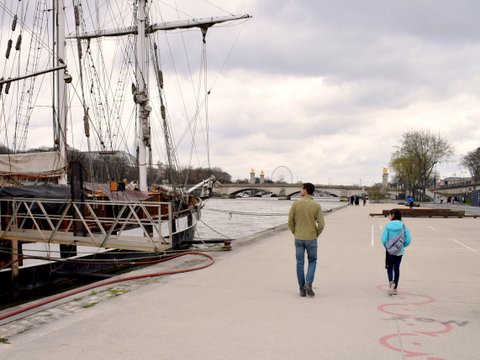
column 139, row 226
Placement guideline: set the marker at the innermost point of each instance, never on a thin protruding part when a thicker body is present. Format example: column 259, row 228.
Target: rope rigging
column 100, row 92
column 106, row 90
column 23, row 109
column 28, row 68
column 33, row 57
column 86, row 119
column 171, row 154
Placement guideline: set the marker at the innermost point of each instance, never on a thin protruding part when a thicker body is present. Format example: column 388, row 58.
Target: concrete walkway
column 246, row 306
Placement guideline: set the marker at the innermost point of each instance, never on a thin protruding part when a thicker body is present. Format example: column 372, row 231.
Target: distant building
column 455, row 181
column 385, row 178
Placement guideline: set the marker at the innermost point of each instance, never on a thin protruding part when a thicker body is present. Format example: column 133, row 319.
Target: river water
column 236, row 218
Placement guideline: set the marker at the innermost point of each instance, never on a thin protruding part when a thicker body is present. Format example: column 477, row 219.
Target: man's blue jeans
column 310, row 246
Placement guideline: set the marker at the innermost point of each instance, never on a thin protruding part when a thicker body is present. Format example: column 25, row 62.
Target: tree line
column 103, row 167
column 121, row 166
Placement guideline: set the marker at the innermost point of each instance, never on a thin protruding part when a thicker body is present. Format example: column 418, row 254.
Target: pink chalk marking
column 408, row 353
column 393, row 309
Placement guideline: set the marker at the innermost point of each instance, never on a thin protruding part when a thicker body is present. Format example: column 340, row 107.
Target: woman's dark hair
column 397, row 215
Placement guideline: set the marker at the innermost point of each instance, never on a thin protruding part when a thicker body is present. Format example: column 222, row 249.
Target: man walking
column 306, row 222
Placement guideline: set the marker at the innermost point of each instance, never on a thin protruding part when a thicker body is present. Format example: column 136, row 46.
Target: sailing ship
column 60, row 203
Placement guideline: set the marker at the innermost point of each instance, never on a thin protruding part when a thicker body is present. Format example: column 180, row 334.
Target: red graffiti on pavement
column 411, row 343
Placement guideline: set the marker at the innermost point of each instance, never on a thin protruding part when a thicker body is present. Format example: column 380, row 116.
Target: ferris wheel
column 282, row 174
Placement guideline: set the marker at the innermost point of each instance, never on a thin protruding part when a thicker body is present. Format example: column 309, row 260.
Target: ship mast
column 141, row 96
column 142, row 29
column 60, row 109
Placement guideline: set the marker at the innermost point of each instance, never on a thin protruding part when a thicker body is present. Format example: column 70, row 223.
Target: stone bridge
column 287, row 190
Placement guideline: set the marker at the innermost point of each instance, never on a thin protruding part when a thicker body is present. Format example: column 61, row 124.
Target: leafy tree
column 406, row 171
column 416, row 158
column 375, row 193
column 472, row 162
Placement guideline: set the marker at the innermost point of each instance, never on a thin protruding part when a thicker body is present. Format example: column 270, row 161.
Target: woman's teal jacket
column 393, row 228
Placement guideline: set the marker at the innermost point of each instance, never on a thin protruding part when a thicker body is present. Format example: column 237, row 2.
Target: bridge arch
column 252, row 190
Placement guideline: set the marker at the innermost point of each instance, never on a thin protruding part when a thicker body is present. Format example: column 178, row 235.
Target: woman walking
column 393, row 231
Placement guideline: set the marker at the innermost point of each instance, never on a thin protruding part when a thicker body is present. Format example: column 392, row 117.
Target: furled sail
column 32, row 165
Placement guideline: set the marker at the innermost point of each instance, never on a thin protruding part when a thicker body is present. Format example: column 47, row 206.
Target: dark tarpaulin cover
column 35, row 192
column 50, row 192
column 63, row 192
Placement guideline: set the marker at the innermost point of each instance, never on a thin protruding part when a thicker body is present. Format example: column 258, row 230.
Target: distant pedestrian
column 306, row 222
column 392, row 262
column 364, row 198
column 410, row 202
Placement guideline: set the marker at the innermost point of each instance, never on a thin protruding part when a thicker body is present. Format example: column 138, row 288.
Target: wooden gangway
column 139, row 226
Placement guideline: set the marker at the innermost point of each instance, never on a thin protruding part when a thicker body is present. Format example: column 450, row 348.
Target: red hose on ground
column 107, row 282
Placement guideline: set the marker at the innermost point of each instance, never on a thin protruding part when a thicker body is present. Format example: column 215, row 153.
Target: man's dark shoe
column 303, row 293
column 309, row 290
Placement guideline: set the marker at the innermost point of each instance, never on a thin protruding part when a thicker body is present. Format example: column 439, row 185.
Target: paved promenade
column 246, row 305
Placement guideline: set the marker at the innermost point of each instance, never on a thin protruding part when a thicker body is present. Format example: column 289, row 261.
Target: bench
column 425, row 213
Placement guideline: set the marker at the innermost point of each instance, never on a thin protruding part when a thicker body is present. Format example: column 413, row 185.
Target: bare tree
column 472, row 162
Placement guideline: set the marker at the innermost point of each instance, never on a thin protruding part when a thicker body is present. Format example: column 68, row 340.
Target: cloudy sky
column 327, row 88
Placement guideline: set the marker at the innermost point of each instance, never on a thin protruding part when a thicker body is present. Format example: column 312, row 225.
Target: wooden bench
column 425, row 213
